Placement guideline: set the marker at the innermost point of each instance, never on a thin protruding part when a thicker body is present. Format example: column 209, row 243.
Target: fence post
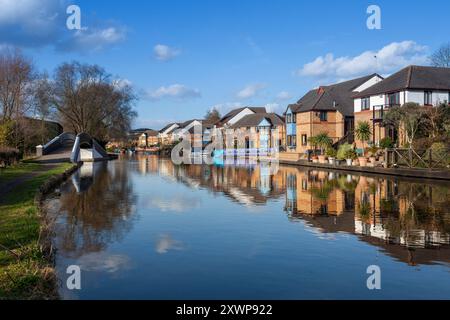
column 386, row 158
column 410, row 157
column 430, row 159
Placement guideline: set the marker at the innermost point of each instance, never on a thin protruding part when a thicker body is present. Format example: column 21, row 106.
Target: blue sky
column 184, row 57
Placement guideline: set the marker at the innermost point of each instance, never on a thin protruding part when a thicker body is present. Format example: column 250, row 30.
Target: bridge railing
column 54, row 144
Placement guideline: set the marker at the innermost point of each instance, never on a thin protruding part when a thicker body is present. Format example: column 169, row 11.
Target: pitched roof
column 151, row 133
column 167, row 127
column 252, row 120
column 235, row 112
column 412, row 77
column 330, row 98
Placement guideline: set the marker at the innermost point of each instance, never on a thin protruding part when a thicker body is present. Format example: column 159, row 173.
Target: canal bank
column 399, row 172
column 26, row 254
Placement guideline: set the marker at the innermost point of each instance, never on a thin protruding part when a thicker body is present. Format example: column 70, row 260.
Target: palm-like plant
column 323, row 141
column 363, row 131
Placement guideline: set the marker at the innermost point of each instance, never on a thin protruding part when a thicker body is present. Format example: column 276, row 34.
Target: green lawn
column 24, row 271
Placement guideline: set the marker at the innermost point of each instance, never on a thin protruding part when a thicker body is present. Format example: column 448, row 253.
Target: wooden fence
column 410, row 158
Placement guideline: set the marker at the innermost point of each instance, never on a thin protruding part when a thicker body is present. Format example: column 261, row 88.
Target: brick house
column 426, row 86
column 165, row 135
column 327, row 109
column 149, row 138
column 262, row 129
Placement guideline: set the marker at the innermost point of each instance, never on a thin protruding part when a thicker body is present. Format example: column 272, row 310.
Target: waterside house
column 259, row 133
column 165, row 135
column 327, row 109
column 426, row 86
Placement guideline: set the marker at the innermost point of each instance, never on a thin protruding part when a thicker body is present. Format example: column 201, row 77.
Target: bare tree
column 212, row 115
column 16, row 77
column 88, row 101
column 441, row 58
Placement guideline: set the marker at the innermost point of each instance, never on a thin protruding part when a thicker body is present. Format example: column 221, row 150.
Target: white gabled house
column 426, row 86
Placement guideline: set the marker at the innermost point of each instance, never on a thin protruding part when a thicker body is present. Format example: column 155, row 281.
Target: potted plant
column 372, row 151
column 324, row 142
column 315, row 159
column 331, row 154
column 363, row 133
column 343, row 148
column 350, row 155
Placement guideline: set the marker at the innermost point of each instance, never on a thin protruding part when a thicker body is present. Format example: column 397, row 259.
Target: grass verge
column 25, row 269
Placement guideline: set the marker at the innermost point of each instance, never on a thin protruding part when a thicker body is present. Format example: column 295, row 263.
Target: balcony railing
column 380, row 110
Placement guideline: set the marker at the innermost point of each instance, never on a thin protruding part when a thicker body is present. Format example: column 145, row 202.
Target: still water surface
column 143, row 228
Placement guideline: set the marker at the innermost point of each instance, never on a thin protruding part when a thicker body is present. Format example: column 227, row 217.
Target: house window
column 428, row 98
column 304, row 140
column 294, row 118
column 292, row 140
column 365, row 104
column 289, row 118
column 393, row 99
column 323, row 116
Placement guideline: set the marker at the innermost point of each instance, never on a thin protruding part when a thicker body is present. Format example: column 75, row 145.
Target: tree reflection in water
column 389, row 213
column 100, row 213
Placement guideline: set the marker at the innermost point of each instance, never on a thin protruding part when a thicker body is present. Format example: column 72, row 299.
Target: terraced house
column 165, row 135
column 264, row 131
column 427, row 86
column 327, row 109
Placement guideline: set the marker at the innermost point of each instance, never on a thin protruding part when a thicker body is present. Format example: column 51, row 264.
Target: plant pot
column 349, row 162
column 373, row 160
column 332, row 161
column 322, row 159
column 362, row 161
column 315, row 160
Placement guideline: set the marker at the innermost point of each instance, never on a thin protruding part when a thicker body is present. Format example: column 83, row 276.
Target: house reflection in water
column 409, row 220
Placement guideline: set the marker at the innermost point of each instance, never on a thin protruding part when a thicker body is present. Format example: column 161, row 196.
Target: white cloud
column 272, row 107
column 251, row 90
column 122, row 83
column 165, row 243
column 388, row 59
column 38, row 23
column 224, row 108
column 91, row 39
column 165, row 53
column 176, row 91
column 284, row 95
column 104, row 262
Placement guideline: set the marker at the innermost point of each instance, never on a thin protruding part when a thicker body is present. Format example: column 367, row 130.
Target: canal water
column 143, row 228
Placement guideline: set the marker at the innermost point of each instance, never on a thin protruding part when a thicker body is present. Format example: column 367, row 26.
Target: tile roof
column 330, row 98
column 413, row 78
column 252, row 120
column 235, row 112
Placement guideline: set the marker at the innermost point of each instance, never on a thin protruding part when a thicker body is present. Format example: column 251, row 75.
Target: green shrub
column 440, row 152
column 331, row 152
column 351, row 154
column 386, row 143
column 8, row 156
column 343, row 148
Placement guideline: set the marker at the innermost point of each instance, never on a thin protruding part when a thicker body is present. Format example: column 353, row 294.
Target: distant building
column 165, row 135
